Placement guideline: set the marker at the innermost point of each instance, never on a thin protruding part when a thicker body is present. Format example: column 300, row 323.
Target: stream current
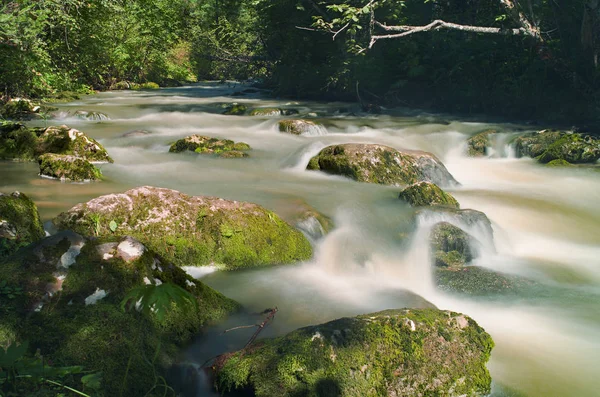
column 546, row 224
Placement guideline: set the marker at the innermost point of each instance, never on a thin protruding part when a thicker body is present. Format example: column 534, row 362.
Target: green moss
column 68, row 141
column 20, row 223
column 68, row 168
column 478, row 144
column 451, row 246
column 146, row 86
column 235, row 109
column 296, row 126
column 535, row 143
column 17, row 109
column 371, row 355
column 572, row 148
column 422, row 194
column 558, row 163
column 266, row 112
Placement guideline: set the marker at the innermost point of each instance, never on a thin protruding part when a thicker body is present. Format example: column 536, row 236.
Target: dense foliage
column 318, row 48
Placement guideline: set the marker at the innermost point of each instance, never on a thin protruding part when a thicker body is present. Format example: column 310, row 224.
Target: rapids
column 546, row 224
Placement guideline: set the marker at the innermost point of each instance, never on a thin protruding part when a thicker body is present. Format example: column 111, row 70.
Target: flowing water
column 546, row 224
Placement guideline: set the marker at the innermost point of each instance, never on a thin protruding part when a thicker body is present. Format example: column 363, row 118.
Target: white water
column 546, row 225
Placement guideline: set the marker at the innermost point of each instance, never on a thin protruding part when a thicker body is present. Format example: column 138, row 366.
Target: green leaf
column 157, row 299
column 92, row 381
column 113, row 226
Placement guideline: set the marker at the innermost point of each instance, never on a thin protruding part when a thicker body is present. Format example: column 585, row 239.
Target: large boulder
column 381, row 164
column 17, row 142
column 65, row 140
column 548, row 145
column 424, row 194
column 192, row 231
column 68, row 168
column 208, row 145
column 301, row 127
column 425, row 352
column 70, row 308
column 452, row 246
column 478, row 144
column 20, row 223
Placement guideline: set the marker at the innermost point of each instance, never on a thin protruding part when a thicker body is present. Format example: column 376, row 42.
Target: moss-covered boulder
column 235, row 109
column 381, row 164
column 17, row 142
column 65, row 140
column 477, row 145
column 192, row 231
column 573, row 148
column 70, row 308
column 423, row 194
column 68, row 168
column 451, row 246
column 20, row 223
column 535, row 143
column 301, row 127
column 18, row 109
column 558, row 163
column 479, row 281
column 424, row 352
column 207, row 145
column 266, row 112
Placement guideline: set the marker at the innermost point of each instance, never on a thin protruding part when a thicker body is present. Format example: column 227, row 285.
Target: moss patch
column 20, row 222
column 479, row 281
column 395, row 352
column 235, row 109
column 572, row 148
column 298, row 127
column 65, row 140
column 451, row 246
column 193, row 231
column 422, row 194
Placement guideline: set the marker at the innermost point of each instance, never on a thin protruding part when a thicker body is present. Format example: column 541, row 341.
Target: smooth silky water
column 546, row 225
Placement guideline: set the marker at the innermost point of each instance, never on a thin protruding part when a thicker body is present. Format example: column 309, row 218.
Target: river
column 546, row 224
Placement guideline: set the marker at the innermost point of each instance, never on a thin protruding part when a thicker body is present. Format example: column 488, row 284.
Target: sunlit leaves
column 157, row 300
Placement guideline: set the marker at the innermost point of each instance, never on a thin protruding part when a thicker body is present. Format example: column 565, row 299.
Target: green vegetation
column 435, row 351
column 208, row 145
column 423, row 194
column 20, row 223
column 479, row 143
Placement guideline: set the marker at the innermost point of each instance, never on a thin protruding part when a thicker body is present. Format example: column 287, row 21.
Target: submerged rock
column 68, row 168
column 548, row 145
column 301, row 127
column 380, row 164
column 235, row 109
column 208, row 145
column 423, row 194
column 479, row 281
column 192, row 231
column 65, row 140
column 477, row 145
column 266, row 112
column 451, row 246
column 71, row 311
column 390, row 353
column 20, row 223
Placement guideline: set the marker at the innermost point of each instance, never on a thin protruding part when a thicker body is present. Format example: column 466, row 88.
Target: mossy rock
column 558, row 163
column 266, row 112
column 421, row 352
column 380, row 164
column 234, row 154
column 70, row 308
column 479, row 281
column 17, row 109
column 423, row 194
column 207, row 145
column 193, row 231
column 572, row 148
column 477, row 145
column 451, row 246
column 145, row 86
column 68, row 168
column 65, row 140
column 17, row 142
column 20, row 223
column 121, row 85
column 235, row 109
column 300, row 127
column 535, row 143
